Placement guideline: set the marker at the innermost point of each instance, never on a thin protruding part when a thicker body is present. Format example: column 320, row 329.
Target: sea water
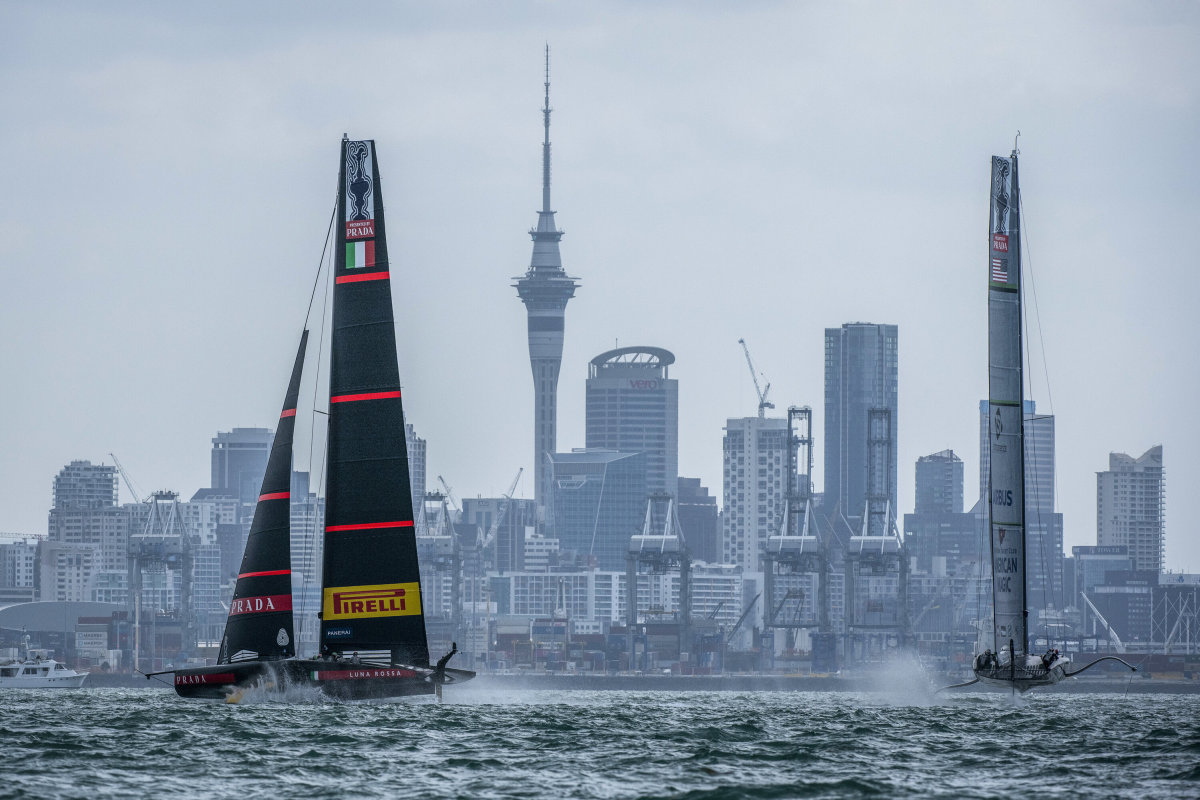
column 485, row 742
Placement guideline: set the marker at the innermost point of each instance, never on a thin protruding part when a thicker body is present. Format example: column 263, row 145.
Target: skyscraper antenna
column 546, row 141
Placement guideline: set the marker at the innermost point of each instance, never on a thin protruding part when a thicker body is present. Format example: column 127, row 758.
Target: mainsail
column 260, row 615
column 371, row 604
column 1006, row 490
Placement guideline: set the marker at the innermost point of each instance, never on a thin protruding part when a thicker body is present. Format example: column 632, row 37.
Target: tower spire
column 546, row 141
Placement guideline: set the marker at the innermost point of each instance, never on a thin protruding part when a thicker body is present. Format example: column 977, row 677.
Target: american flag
column 999, row 271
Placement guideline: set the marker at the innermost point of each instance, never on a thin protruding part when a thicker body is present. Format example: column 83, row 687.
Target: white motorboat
column 39, row 673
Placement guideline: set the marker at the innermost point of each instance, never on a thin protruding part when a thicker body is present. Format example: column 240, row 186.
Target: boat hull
column 336, row 679
column 1022, row 679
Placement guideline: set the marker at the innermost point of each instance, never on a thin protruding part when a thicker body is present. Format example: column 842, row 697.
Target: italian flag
column 360, row 254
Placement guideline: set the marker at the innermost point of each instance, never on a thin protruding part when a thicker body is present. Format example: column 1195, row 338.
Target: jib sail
column 371, row 603
column 1006, row 442
column 260, row 615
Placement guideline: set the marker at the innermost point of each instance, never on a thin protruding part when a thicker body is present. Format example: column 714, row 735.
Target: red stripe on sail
column 371, row 276
column 350, row 398
column 362, row 526
column 265, row 572
column 288, row 412
column 275, row 496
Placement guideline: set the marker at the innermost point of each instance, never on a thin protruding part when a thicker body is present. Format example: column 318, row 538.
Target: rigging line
column 321, row 263
column 310, row 517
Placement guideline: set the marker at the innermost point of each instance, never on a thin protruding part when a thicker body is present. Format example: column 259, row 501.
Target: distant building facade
column 85, row 554
column 1130, row 507
column 755, row 464
column 599, row 503
column 861, row 375
column 239, row 461
column 416, row 464
column 632, row 406
column 699, row 520
column 939, row 535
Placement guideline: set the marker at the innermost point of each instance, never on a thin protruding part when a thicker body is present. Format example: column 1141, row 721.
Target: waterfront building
column 545, row 289
column 86, row 552
column 1130, row 507
column 1093, row 564
column 755, row 463
column 599, row 503
column 632, row 406
column 861, row 369
column 18, row 568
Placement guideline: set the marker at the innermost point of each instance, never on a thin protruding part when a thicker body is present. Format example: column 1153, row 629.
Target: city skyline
column 692, row 195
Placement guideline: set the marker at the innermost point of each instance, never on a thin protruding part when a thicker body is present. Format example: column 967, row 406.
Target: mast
column 371, row 590
column 260, row 625
column 1006, row 441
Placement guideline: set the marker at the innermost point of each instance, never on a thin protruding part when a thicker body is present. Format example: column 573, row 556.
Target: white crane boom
column 128, row 483
column 491, row 534
column 763, row 403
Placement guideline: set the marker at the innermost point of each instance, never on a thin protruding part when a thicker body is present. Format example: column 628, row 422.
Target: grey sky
column 756, row 170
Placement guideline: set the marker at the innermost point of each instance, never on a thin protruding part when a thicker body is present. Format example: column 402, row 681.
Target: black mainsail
column 371, row 600
column 260, row 616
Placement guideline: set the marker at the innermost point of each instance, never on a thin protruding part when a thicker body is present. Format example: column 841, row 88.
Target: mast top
column 1016, row 150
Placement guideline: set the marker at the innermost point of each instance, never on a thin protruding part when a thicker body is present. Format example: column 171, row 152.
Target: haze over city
column 761, row 171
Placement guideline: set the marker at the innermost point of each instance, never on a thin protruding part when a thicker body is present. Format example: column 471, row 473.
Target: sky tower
column 545, row 289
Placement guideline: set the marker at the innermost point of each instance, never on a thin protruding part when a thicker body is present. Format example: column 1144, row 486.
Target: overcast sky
column 757, row 170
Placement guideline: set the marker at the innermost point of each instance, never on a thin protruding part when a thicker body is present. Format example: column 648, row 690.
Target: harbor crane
column 763, row 403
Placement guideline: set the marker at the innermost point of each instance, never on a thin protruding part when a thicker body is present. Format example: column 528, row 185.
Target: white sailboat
column 1008, row 663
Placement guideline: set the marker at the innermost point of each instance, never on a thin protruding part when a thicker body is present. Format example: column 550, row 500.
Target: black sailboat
column 372, row 634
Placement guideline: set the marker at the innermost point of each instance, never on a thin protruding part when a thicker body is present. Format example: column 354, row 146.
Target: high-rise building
column 545, row 289
column 633, row 406
column 699, row 521
column 599, row 503
column 18, row 568
column 1130, row 507
column 939, row 484
column 1043, row 525
column 239, row 461
column 861, row 370
column 939, row 535
column 82, row 484
column 755, row 487
column 416, row 464
column 85, row 556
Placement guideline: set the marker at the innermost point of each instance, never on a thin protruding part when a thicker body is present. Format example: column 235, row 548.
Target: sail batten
column 1006, row 456
column 260, row 623
column 371, row 582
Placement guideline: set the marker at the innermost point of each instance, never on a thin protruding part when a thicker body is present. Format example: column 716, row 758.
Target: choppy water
column 107, row 743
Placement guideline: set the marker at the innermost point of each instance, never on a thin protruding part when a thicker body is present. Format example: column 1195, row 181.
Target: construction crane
column 449, row 493
column 491, row 534
column 763, row 403
column 125, row 475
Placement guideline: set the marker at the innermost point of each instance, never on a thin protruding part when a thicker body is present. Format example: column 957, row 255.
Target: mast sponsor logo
column 360, row 229
column 999, row 242
column 260, row 605
column 363, row 602
column 999, row 271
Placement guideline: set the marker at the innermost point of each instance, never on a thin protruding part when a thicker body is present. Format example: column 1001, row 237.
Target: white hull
column 39, row 675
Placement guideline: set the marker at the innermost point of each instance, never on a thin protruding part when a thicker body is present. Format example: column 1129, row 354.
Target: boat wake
column 905, row 682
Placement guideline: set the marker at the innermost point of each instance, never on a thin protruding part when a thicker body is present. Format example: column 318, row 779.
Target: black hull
column 336, row 679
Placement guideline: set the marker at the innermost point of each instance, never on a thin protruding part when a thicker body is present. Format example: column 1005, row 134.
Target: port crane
column 491, row 534
column 763, row 402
